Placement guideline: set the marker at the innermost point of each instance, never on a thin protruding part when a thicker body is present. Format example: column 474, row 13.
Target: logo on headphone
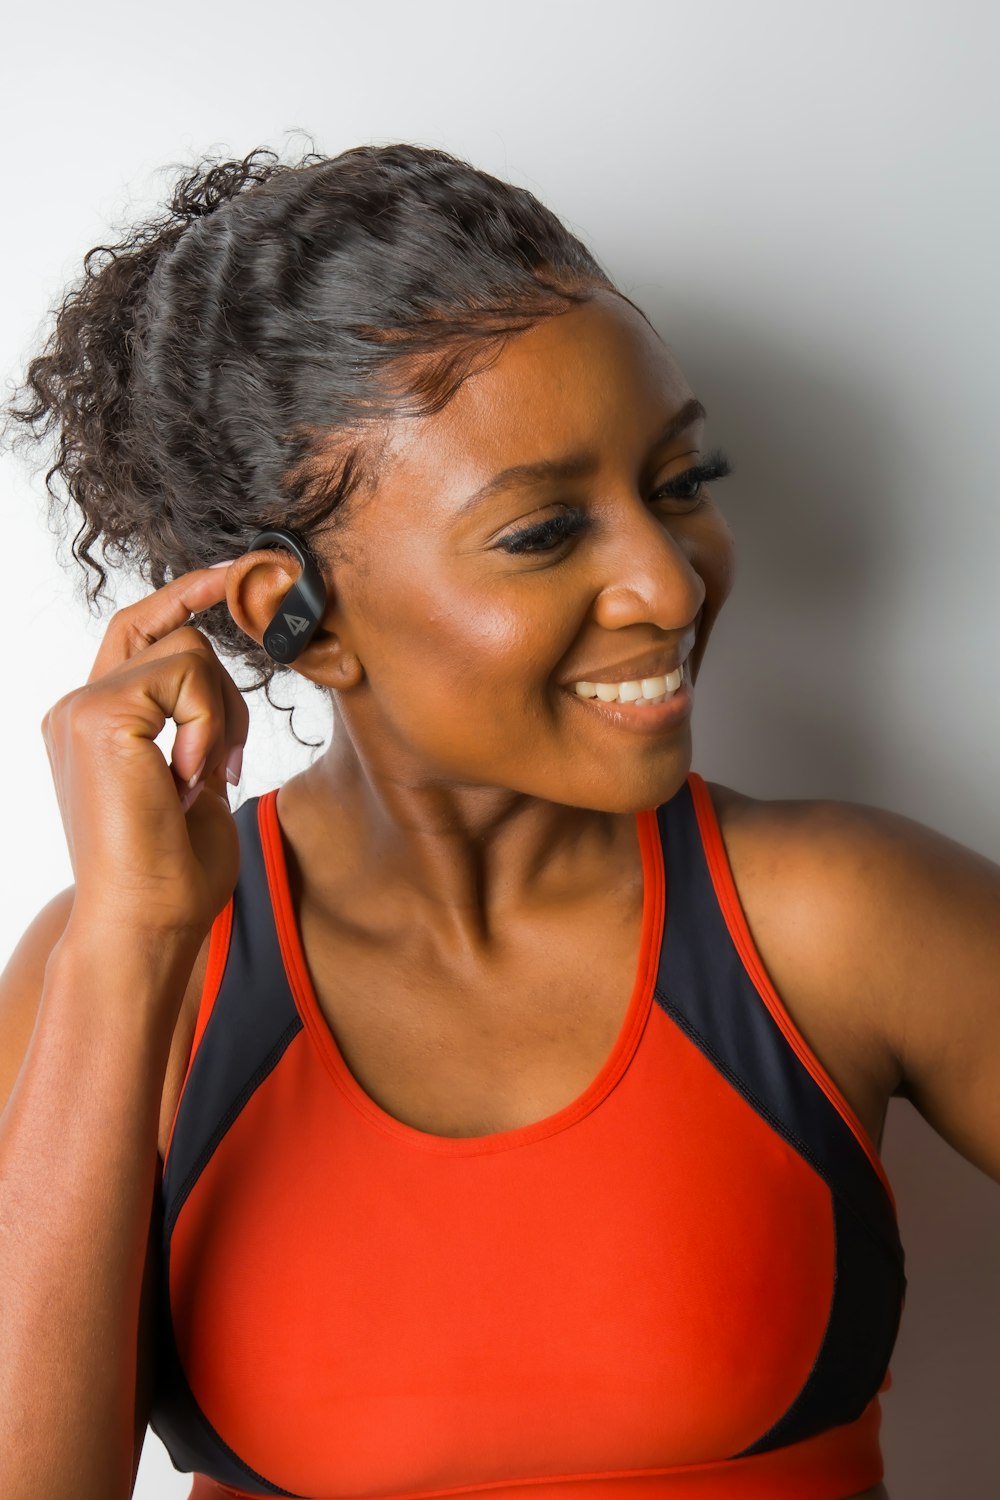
column 297, row 623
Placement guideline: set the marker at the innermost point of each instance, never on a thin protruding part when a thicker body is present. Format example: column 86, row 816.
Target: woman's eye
column 678, row 489
column 688, row 486
column 547, row 535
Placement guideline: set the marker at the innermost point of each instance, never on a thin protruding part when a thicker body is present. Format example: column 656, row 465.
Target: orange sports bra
column 685, row 1285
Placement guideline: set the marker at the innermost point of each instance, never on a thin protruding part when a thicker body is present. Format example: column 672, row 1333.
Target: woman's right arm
column 87, row 1017
column 78, row 1141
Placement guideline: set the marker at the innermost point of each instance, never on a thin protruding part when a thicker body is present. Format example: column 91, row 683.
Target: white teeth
column 644, row 691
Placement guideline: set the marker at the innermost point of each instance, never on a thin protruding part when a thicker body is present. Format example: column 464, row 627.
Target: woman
column 494, row 1104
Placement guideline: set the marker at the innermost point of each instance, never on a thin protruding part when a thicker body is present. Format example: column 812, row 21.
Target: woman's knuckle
column 56, row 715
column 77, row 711
column 203, row 643
column 122, row 621
column 135, row 638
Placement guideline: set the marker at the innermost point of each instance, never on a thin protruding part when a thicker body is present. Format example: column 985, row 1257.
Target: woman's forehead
column 565, row 385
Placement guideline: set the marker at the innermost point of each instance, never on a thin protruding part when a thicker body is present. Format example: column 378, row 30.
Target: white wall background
column 803, row 198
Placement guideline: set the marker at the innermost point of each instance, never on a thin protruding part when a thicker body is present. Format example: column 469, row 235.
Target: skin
column 482, row 820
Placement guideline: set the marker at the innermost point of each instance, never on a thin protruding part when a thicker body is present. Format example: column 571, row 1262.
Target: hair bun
column 215, row 181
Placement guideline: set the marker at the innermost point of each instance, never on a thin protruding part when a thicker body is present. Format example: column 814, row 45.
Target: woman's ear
column 258, row 585
column 303, row 607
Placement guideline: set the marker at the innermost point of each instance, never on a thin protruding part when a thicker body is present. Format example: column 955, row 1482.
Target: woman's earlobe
column 349, row 671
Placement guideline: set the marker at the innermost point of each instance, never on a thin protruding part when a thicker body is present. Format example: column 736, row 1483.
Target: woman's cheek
column 713, row 556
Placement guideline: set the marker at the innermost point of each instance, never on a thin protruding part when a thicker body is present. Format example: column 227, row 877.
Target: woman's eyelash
column 715, row 465
column 548, row 534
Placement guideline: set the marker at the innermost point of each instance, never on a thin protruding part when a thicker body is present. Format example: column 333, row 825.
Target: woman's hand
column 147, row 850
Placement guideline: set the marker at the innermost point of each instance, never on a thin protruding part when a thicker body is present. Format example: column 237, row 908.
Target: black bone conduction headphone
column 297, row 621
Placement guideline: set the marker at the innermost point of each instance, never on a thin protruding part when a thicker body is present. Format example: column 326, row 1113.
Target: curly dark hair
column 229, row 364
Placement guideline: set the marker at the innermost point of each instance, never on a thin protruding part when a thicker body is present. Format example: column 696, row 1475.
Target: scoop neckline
column 325, row 1045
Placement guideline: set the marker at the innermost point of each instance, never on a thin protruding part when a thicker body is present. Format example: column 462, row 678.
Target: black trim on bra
column 849, row 1368
column 705, row 989
column 182, row 1427
column 249, row 1028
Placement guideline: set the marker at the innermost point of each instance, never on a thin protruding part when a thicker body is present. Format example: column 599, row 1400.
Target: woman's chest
column 468, row 1054
column 454, row 1057
column 465, row 1056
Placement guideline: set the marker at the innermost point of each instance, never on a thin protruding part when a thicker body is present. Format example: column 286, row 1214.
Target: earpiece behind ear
column 302, row 608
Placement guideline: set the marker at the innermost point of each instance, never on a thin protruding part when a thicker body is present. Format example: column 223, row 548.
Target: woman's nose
column 646, row 575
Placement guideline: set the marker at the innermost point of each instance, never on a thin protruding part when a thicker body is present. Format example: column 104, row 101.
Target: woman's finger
column 137, row 626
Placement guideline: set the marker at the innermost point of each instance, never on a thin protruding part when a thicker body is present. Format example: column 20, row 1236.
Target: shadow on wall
column 833, row 544
column 940, row 1427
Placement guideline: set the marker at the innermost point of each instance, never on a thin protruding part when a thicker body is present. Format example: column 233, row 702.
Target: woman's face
column 470, row 618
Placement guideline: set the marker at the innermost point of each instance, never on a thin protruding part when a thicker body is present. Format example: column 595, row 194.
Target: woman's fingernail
column 234, row 765
column 224, row 563
column 190, row 796
column 194, row 778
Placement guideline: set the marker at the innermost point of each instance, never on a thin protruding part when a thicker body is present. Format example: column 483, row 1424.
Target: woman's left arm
column 924, row 919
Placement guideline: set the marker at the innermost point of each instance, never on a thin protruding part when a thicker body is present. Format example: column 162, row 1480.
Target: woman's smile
column 641, row 716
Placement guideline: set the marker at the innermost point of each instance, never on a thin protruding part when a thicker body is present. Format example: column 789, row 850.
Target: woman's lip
column 652, row 718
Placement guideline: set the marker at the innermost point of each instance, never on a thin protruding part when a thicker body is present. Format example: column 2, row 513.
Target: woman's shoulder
column 882, row 935
column 794, row 866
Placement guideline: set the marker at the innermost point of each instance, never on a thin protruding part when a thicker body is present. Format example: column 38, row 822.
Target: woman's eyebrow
column 574, row 465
